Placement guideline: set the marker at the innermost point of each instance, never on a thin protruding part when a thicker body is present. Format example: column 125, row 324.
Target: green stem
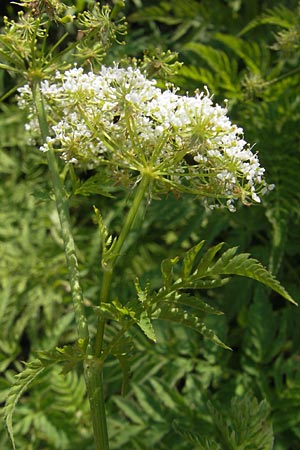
column 140, row 192
column 94, row 383
column 92, row 367
column 108, row 272
column 63, row 212
column 283, row 76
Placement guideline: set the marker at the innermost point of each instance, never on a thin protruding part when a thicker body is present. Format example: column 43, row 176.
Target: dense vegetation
column 185, row 392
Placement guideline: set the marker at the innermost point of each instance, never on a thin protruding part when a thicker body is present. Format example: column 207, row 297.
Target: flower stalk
column 109, row 269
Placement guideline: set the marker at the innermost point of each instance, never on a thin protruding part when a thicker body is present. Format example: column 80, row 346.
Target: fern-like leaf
column 145, row 325
column 280, row 16
column 23, row 380
column 167, row 266
column 195, row 303
column 221, row 71
column 207, row 259
column 107, row 241
column 195, row 438
column 243, row 265
column 246, row 426
column 214, row 58
column 179, row 316
column 249, row 52
column 96, row 184
column 122, row 350
column 189, row 259
column 132, row 313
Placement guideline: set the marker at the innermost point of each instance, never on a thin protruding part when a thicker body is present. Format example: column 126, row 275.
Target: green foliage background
column 185, row 392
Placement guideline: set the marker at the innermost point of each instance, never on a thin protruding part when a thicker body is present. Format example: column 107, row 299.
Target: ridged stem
column 92, row 367
column 64, row 218
column 94, row 382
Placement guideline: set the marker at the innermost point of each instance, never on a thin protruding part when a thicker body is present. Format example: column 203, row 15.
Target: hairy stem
column 94, row 383
column 63, row 212
column 92, row 368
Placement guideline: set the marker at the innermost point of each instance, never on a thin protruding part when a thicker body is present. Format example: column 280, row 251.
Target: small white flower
column 123, row 119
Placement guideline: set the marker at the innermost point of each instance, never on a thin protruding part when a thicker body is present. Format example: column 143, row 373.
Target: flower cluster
column 123, row 120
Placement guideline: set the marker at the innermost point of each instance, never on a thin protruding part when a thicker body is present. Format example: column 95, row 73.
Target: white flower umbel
column 121, row 119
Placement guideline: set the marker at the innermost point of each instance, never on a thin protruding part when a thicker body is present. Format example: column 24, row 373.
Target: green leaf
column 145, row 325
column 280, row 16
column 142, row 316
column 207, row 259
column 182, row 317
column 94, row 185
column 122, row 350
column 189, row 259
column 129, row 410
column 195, row 438
column 143, row 294
column 245, row 266
column 23, row 380
column 122, row 312
column 168, row 396
column 249, row 52
column 245, row 426
column 132, row 311
column 214, row 58
column 194, row 283
column 149, row 403
column 108, row 311
column 107, row 241
column 167, row 271
column 68, row 355
column 195, row 303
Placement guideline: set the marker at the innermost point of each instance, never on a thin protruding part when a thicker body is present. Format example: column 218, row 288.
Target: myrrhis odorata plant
column 110, row 145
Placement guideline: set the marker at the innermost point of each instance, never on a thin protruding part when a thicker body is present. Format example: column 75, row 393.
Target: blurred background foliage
column 185, row 393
